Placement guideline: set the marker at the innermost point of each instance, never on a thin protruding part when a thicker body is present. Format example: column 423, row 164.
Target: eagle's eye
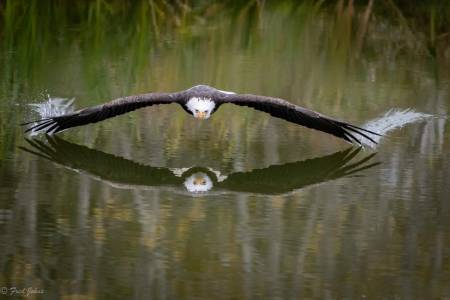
column 203, row 182
column 196, row 111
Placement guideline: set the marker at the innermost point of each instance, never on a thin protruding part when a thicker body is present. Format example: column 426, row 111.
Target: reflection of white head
column 201, row 108
column 198, row 182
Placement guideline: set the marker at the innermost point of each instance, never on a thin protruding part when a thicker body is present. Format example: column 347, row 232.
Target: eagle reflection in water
column 276, row 179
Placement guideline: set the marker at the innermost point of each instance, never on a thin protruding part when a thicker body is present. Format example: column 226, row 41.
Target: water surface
column 106, row 211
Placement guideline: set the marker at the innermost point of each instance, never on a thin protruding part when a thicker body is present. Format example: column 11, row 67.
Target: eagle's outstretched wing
column 103, row 111
column 276, row 179
column 107, row 167
column 282, row 109
column 279, row 179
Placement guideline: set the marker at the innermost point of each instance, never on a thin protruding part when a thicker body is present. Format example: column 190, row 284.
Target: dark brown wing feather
column 282, row 109
column 101, row 112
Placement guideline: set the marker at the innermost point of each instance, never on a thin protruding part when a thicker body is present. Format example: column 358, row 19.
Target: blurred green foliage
column 351, row 59
column 167, row 45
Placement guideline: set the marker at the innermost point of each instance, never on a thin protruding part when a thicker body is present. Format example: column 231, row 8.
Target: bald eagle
column 202, row 101
column 273, row 180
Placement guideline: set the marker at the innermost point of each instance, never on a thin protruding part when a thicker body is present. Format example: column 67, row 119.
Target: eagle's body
column 202, row 101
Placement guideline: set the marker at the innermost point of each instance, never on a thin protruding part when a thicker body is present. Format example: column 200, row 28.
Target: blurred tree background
column 83, row 46
column 384, row 232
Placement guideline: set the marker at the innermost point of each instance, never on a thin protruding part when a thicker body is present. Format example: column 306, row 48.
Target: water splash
column 52, row 107
column 393, row 119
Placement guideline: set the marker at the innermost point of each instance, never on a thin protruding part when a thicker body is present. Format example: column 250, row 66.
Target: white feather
column 227, row 92
column 192, row 185
column 201, row 104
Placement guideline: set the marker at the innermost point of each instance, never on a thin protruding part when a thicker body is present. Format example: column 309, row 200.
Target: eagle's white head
column 201, row 108
column 198, row 182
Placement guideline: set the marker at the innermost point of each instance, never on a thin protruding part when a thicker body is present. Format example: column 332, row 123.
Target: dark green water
column 99, row 213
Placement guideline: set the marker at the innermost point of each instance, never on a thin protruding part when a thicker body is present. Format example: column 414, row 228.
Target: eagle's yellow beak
column 201, row 115
column 199, row 181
